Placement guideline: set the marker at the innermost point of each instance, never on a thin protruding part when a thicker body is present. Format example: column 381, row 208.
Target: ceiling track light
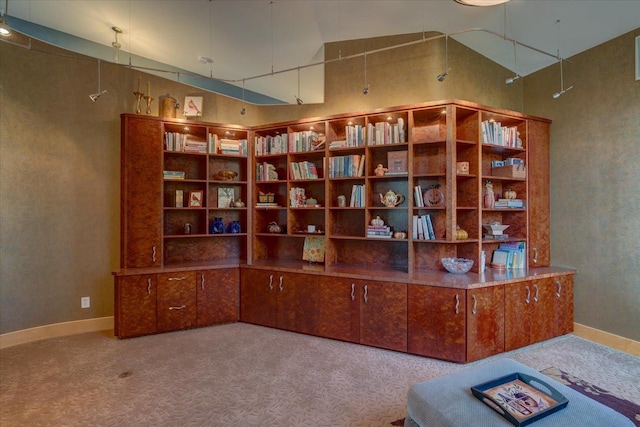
column 298, row 100
column 365, row 89
column 562, row 89
column 116, row 45
column 5, row 31
column 510, row 80
column 446, row 60
column 243, row 111
column 99, row 93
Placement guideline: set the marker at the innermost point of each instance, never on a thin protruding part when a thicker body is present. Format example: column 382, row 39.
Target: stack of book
column 495, row 134
column 346, row 166
column 303, row 170
column 232, row 146
column 173, row 175
column 271, row 144
column 379, row 231
column 509, row 203
column 357, row 196
column 355, row 135
column 192, row 146
column 512, row 255
column 423, row 228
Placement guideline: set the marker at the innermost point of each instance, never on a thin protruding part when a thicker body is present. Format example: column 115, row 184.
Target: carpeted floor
column 245, row 375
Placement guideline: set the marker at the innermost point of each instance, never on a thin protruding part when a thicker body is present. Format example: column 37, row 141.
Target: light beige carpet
column 245, row 375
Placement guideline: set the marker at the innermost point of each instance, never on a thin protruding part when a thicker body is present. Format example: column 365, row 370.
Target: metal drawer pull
column 475, row 304
column 153, row 254
column 148, row 286
column 457, row 304
column 177, row 278
column 271, row 282
column 559, row 290
column 202, row 282
column 353, row 291
column 182, row 307
column 280, row 285
column 535, row 255
column 528, row 298
column 535, row 297
column 366, row 293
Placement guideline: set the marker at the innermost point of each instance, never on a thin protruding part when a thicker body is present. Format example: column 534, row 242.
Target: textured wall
column 595, row 180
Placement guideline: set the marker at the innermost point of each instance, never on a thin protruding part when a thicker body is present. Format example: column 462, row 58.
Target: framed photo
column 192, row 106
column 225, row 196
column 500, row 257
column 195, row 199
column 638, row 58
column 397, row 161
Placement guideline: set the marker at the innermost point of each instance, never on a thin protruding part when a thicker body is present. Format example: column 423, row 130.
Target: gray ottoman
column 447, row 401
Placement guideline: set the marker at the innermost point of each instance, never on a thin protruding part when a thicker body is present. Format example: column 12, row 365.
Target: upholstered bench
column 448, row 401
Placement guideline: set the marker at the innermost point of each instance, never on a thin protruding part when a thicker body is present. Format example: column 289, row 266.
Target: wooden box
column 510, row 171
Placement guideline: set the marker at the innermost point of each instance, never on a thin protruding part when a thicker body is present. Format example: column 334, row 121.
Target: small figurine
column 380, row 170
column 489, row 198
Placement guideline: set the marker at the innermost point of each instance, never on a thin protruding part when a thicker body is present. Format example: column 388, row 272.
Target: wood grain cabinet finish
column 135, row 305
column 218, row 296
column 259, row 297
column 529, row 313
column 437, row 322
column 383, row 314
column 141, row 193
column 297, row 303
column 538, row 202
column 563, row 304
column 339, row 309
column 485, row 322
column 176, row 301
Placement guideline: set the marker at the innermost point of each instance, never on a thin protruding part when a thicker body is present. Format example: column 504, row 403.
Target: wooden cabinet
column 529, row 312
column 176, row 301
column 437, row 322
column 485, row 322
column 218, row 296
column 141, row 193
column 135, row 305
column 539, row 196
column 259, row 297
column 383, row 314
column 563, row 304
column 339, row 309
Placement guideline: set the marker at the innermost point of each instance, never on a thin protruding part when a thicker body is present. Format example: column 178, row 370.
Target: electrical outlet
column 85, row 302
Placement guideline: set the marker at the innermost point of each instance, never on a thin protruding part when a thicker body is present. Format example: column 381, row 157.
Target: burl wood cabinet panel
column 383, row 314
column 436, row 322
column 258, row 297
column 529, row 313
column 485, row 322
column 218, row 296
column 135, row 305
column 538, row 201
column 563, row 307
column 297, row 303
column 176, row 301
column 339, row 309
column 141, row 193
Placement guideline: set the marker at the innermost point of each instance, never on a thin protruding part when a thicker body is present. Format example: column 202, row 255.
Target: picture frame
column 226, row 195
column 193, row 106
column 520, row 398
column 195, row 198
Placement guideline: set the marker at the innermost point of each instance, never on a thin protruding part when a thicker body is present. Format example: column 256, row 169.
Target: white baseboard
column 626, row 345
column 55, row 330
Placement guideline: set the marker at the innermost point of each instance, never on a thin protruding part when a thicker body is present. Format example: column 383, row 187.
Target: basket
column 266, row 198
column 510, row 171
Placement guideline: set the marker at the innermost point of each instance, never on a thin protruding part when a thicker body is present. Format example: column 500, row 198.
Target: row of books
column 495, row 134
column 385, row 133
column 423, row 228
column 379, row 231
column 173, row 175
column 269, row 144
column 512, row 255
column 219, row 145
column 303, row 170
column 357, row 196
column 297, row 197
column 266, row 172
column 175, row 141
column 346, row 166
column 418, row 196
column 307, row 140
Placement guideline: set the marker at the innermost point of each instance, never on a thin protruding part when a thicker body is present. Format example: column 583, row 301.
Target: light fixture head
column 510, row 80
column 243, row 111
column 5, row 31
column 562, row 92
column 95, row 96
column 442, row 76
column 365, row 90
column 481, row 2
column 299, row 101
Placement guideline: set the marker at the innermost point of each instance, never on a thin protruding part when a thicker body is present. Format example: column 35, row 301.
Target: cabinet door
column 258, row 297
column 297, row 303
column 383, row 315
column 543, row 310
column 538, row 203
column 436, row 322
column 135, row 305
column 518, row 315
column 176, row 301
column 218, row 296
column 563, row 307
column 338, row 309
column 141, row 192
column 485, row 322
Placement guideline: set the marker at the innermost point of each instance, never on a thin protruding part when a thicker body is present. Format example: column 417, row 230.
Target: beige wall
column 59, row 152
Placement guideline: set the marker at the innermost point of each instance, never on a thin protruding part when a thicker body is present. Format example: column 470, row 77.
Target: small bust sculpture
column 380, row 170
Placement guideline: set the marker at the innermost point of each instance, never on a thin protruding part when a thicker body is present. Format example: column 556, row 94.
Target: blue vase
column 217, row 226
column 234, row 227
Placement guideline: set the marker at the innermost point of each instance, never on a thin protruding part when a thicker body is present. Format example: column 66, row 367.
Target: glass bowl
column 457, row 265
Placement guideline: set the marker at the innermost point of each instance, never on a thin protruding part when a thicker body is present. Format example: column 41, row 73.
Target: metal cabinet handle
column 366, row 293
column 559, row 288
column 202, row 282
column 353, row 291
column 535, row 297
column 535, row 255
column 528, row 298
column 475, row 304
column 176, row 278
column 271, row 282
column 457, row 304
column 280, row 285
column 153, row 254
column 148, row 286
column 182, row 307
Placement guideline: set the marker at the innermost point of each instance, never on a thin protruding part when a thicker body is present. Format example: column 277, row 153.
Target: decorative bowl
column 457, row 265
column 225, row 175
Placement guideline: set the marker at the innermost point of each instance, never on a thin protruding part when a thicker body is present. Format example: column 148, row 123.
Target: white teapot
column 390, row 199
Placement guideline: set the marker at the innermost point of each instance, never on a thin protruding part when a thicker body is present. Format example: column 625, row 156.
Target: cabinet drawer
column 178, row 288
